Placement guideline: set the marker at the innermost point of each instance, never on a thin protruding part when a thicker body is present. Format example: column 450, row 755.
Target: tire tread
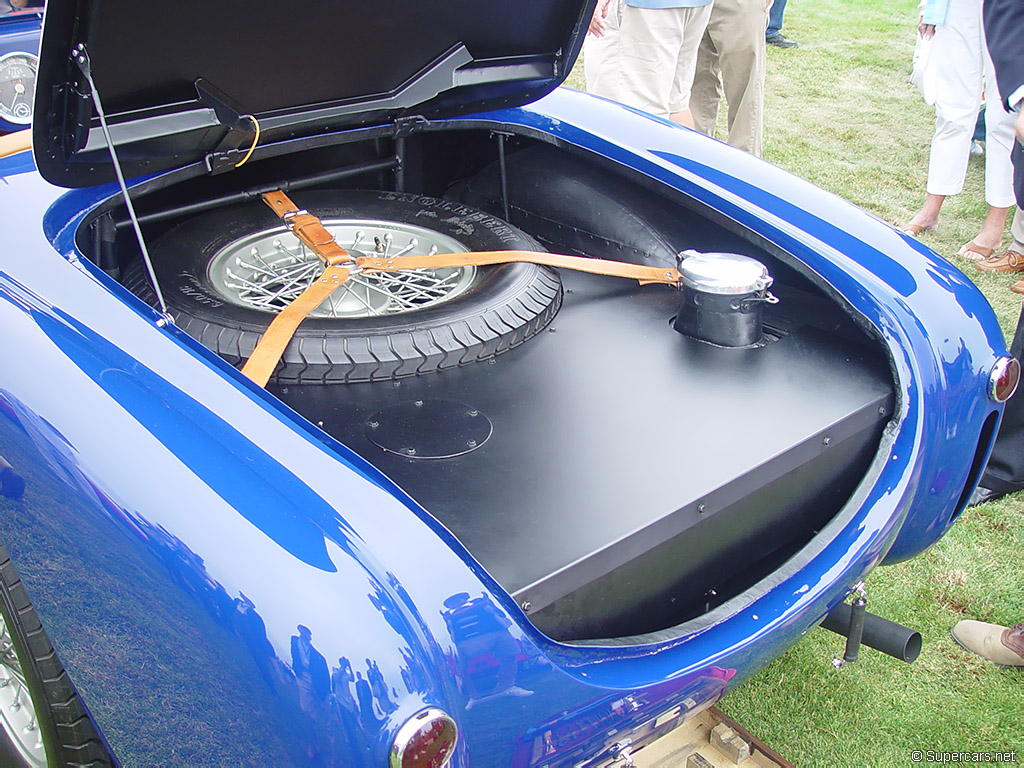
column 315, row 355
column 71, row 736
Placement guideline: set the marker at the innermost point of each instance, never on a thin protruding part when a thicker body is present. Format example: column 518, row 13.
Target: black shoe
column 781, row 41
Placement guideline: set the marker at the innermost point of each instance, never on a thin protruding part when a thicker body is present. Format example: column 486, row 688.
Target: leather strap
column 307, row 228
column 312, row 233
column 643, row 274
column 270, row 347
column 15, row 142
column 340, row 265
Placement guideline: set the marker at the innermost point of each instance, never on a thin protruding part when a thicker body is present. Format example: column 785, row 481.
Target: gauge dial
column 17, row 87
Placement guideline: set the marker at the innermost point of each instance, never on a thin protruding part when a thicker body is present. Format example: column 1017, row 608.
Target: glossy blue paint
column 231, row 581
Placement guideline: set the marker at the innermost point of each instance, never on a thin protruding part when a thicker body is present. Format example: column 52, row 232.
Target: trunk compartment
column 613, row 475
column 633, row 477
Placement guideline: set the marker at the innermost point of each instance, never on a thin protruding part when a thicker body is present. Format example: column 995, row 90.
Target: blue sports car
column 367, row 400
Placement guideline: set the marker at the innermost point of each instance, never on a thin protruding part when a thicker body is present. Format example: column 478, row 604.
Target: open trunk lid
column 180, row 82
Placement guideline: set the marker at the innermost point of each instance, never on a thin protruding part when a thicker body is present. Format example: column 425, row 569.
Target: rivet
column 527, row 605
column 702, row 508
column 374, row 424
column 474, row 413
column 471, row 443
column 418, row 403
column 410, row 451
column 826, row 441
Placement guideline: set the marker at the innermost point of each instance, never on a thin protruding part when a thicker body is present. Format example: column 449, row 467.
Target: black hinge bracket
column 233, row 116
column 406, row 126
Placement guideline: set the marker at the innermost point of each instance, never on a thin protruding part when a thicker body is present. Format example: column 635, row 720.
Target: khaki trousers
column 731, row 61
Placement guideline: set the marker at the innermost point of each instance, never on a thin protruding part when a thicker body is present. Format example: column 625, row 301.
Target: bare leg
column 991, row 235
column 683, row 118
column 928, row 217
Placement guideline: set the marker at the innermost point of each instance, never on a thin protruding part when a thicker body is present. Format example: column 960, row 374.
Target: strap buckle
column 288, row 216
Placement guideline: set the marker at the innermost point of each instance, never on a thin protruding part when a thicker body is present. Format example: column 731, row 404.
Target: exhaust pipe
column 881, row 634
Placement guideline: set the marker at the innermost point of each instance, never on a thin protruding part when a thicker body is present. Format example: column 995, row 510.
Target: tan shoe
column 1001, row 645
column 1018, row 287
column 1004, row 261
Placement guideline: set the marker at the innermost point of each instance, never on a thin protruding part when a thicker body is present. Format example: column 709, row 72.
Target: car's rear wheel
column 226, row 273
column 24, row 738
column 44, row 723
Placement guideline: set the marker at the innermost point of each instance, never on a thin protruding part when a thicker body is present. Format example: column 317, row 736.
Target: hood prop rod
column 80, row 55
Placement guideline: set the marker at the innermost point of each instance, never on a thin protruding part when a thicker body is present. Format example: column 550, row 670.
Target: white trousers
column 962, row 69
column 647, row 58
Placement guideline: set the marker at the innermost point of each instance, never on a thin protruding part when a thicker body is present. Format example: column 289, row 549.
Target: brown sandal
column 915, row 229
column 1004, row 261
column 974, row 252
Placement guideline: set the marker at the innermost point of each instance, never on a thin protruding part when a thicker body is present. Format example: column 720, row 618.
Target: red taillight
column 426, row 740
column 1003, row 379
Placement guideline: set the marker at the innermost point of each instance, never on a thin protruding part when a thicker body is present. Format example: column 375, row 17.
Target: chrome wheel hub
column 269, row 269
column 17, row 711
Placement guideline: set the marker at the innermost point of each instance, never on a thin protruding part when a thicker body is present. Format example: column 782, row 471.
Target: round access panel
column 429, row 429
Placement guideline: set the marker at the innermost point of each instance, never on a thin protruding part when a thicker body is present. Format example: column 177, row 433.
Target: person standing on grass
column 731, row 58
column 601, row 71
column 963, row 68
column 649, row 58
column 1004, row 28
column 773, row 34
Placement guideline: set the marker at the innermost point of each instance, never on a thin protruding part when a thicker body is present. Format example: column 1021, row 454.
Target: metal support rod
column 856, row 631
column 400, row 164
column 81, row 57
column 504, row 176
column 253, row 194
column 104, row 235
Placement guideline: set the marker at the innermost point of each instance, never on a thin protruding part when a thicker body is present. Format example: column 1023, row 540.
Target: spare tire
column 226, row 273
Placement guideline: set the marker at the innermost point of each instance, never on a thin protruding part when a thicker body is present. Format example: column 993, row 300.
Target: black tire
column 68, row 734
column 503, row 307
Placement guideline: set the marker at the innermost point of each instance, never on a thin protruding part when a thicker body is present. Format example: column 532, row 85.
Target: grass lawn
column 840, row 113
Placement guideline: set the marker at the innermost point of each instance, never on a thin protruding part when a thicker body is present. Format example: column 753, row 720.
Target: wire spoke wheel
column 17, row 709
column 227, row 272
column 270, row 269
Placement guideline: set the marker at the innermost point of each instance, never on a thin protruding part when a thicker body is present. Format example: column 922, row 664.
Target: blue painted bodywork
column 226, row 584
